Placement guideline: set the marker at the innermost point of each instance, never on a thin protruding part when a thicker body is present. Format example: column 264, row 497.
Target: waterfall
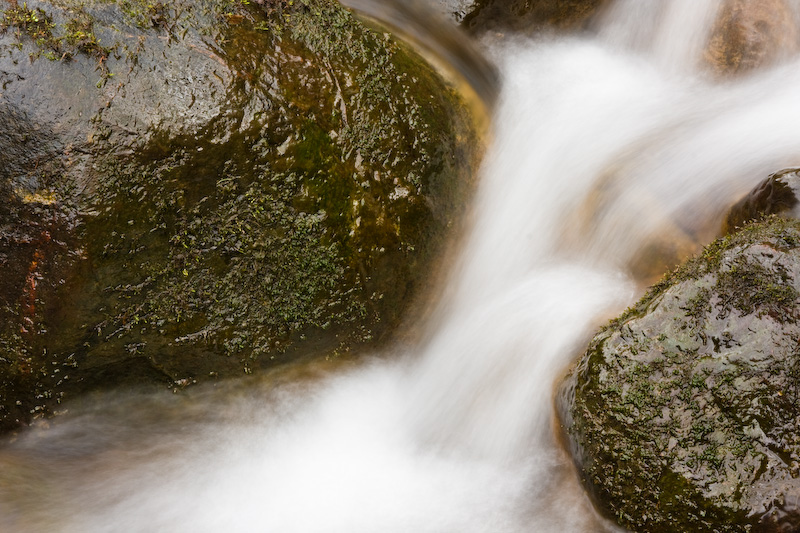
column 672, row 33
column 606, row 145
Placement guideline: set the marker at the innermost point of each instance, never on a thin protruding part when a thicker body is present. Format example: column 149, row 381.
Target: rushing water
column 603, row 145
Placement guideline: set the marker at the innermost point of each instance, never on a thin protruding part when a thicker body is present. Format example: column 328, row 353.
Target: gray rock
column 683, row 413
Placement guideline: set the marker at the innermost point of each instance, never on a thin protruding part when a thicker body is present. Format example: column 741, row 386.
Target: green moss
column 671, row 390
column 750, row 287
column 79, row 34
column 146, row 13
column 58, row 42
column 35, row 23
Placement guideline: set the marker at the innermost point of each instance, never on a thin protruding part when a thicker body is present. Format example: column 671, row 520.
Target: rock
column 752, row 33
column 653, row 244
column 197, row 189
column 682, row 414
column 776, row 195
column 443, row 43
column 529, row 16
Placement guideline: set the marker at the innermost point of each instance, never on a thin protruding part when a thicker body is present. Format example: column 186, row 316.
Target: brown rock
column 751, row 33
column 668, row 242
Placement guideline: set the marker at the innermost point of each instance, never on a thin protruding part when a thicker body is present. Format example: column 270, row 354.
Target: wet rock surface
column 776, row 195
column 752, row 33
column 456, row 9
column 682, row 414
column 666, row 243
column 529, row 16
column 197, row 189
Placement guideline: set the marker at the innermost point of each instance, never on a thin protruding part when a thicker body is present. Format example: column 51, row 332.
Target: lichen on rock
column 230, row 185
column 682, row 414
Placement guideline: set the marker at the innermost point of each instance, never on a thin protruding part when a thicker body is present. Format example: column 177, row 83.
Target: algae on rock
column 231, row 186
column 682, row 414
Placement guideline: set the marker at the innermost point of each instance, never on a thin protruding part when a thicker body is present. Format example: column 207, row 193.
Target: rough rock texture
column 776, row 195
column 752, row 33
column 683, row 413
column 528, row 16
column 198, row 188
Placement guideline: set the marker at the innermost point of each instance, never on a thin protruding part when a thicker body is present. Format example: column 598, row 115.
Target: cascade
column 602, row 144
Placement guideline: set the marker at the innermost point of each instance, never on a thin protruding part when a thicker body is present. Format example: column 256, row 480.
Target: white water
column 457, row 434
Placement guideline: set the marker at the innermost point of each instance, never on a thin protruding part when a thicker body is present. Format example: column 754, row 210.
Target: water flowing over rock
column 196, row 189
column 776, row 195
column 751, row 33
column 527, row 16
column 418, row 22
column 682, row 414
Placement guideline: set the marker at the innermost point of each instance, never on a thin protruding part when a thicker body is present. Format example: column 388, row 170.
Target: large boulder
column 683, row 413
column 196, row 189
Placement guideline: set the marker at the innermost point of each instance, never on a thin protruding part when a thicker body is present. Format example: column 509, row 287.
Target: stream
column 607, row 148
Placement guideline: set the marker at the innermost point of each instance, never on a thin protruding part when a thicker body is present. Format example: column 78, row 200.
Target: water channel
column 605, row 146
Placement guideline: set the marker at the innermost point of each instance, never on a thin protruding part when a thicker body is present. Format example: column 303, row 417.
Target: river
column 610, row 150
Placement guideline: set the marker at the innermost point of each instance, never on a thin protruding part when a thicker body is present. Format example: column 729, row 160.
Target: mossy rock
column 749, row 34
column 682, row 414
column 197, row 189
column 529, row 16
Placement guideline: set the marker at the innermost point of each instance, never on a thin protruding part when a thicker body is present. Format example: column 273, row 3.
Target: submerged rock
column 776, row 195
column 683, row 413
column 664, row 239
column 751, row 33
column 200, row 188
column 528, row 16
